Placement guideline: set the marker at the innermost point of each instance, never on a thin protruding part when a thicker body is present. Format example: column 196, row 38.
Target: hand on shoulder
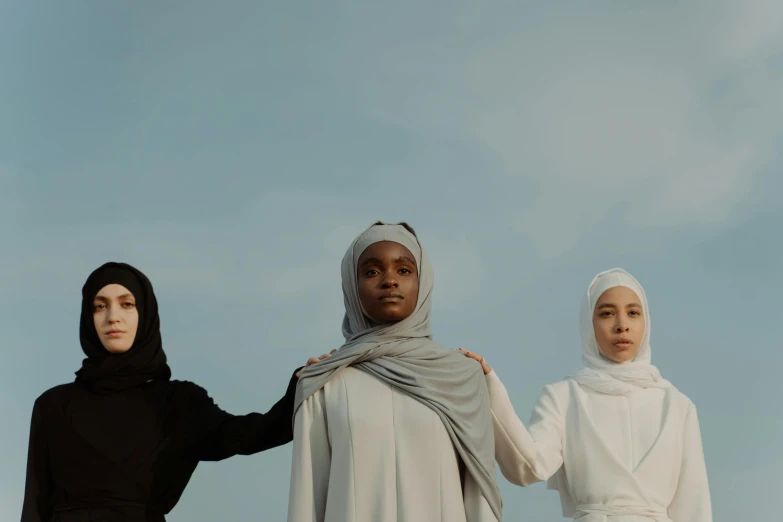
column 477, row 357
column 313, row 360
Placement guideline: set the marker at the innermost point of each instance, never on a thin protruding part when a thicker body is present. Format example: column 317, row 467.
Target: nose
column 389, row 282
column 113, row 316
column 620, row 327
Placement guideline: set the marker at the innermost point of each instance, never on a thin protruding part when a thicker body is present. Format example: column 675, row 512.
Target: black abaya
column 121, row 443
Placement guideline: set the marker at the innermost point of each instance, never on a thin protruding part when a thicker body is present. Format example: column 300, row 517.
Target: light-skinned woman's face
column 388, row 282
column 116, row 318
column 618, row 322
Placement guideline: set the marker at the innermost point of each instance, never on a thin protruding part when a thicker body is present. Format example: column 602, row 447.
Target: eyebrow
column 375, row 260
column 610, row 305
column 123, row 296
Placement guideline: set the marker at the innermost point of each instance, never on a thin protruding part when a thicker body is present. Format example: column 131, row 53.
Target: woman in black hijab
column 121, row 442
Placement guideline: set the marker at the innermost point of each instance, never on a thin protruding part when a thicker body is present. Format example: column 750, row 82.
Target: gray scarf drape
column 404, row 356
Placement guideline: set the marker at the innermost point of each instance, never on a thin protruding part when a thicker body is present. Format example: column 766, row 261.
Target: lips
column 391, row 297
column 115, row 333
column 623, row 343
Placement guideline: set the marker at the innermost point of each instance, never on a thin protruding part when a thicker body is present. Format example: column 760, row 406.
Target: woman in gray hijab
column 392, row 427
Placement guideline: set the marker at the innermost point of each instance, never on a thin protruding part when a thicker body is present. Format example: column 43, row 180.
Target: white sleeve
column 691, row 501
column 310, row 462
column 526, row 456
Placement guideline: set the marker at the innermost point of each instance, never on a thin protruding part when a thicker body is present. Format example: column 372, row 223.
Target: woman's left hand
column 480, row 359
column 313, row 360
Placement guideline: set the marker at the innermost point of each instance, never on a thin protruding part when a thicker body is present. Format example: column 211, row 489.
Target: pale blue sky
column 231, row 150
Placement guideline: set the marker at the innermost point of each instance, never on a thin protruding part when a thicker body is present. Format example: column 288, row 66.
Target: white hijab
column 600, row 373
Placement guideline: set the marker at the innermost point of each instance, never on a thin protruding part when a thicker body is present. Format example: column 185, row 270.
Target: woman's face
column 388, row 282
column 116, row 318
column 618, row 322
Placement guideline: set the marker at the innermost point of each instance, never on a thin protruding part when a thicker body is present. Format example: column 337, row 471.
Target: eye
column 128, row 304
column 605, row 313
column 635, row 312
column 370, row 272
column 405, row 271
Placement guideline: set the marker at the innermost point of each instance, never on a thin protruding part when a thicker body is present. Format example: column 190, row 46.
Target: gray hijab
column 403, row 355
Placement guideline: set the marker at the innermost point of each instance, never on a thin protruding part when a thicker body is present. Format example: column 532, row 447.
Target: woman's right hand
column 477, row 357
column 313, row 360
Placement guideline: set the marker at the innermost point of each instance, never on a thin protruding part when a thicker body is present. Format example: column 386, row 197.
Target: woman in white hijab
column 392, row 427
column 619, row 442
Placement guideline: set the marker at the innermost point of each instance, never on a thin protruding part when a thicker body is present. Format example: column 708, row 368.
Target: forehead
column 619, row 296
column 112, row 291
column 387, row 251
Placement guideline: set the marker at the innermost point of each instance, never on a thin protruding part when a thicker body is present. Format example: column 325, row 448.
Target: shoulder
column 558, row 392
column 51, row 403
column 450, row 359
column 675, row 395
column 185, row 389
column 174, row 395
column 552, row 402
column 58, row 394
column 684, row 402
column 186, row 400
column 454, row 360
column 559, row 387
column 351, row 379
column 183, row 385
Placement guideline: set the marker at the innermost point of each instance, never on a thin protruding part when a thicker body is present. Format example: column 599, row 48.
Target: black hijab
column 105, row 372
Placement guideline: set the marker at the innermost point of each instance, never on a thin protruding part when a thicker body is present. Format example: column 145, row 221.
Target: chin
column 389, row 318
column 618, row 357
column 117, row 349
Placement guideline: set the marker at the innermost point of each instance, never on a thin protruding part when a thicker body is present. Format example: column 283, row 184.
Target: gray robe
column 409, row 368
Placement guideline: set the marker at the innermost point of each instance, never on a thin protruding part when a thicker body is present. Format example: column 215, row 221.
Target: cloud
column 667, row 113
column 746, row 253
column 458, row 271
column 320, row 273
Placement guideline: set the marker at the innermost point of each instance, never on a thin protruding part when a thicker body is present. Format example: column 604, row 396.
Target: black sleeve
column 231, row 435
column 37, row 505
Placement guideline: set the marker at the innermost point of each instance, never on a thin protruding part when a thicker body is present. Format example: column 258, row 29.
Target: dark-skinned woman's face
column 388, row 282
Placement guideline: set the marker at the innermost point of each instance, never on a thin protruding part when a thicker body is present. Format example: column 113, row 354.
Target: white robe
column 628, row 458
column 365, row 452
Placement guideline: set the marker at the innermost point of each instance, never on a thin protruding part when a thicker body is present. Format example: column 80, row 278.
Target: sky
column 232, row 151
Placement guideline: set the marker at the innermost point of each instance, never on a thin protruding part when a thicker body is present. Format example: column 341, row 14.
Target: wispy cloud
column 232, row 152
column 668, row 113
column 459, row 271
